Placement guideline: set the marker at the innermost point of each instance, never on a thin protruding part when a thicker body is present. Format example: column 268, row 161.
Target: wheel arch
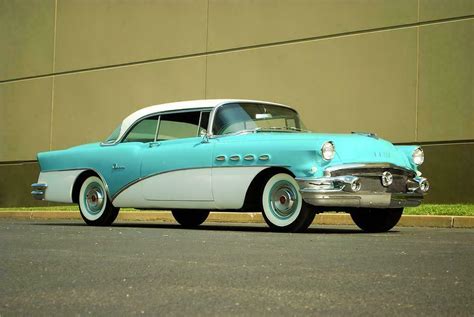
column 76, row 188
column 252, row 201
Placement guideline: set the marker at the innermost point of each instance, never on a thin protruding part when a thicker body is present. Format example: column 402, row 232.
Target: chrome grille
column 374, row 184
column 370, row 176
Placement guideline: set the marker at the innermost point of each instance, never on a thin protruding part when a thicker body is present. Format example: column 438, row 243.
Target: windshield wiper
column 298, row 129
column 285, row 129
column 261, row 129
column 254, row 130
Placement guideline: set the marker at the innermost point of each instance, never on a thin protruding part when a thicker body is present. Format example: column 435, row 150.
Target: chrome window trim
column 199, row 123
column 200, row 120
column 157, row 128
column 159, row 114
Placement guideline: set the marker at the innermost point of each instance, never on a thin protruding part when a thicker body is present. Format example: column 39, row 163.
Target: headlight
column 328, row 151
column 418, row 156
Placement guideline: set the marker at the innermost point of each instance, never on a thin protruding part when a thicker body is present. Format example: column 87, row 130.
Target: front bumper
column 38, row 190
column 353, row 191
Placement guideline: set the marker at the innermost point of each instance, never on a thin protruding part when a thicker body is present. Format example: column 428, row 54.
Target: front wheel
column 96, row 208
column 283, row 207
column 376, row 220
column 190, row 218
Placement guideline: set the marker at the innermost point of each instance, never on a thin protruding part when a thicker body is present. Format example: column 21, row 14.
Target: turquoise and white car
column 198, row 156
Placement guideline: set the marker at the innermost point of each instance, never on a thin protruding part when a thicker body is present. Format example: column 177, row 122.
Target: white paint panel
column 230, row 184
column 178, row 189
column 59, row 185
column 190, row 184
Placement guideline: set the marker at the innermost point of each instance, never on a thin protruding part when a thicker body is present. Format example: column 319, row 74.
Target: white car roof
column 180, row 105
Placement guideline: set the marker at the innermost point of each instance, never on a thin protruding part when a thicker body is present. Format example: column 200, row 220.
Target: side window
column 178, row 125
column 143, row 131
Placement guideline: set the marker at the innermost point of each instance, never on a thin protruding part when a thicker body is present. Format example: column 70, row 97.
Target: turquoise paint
column 296, row 151
column 301, row 151
column 407, row 150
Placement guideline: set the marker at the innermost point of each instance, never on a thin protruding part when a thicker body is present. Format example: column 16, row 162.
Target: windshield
column 113, row 137
column 241, row 117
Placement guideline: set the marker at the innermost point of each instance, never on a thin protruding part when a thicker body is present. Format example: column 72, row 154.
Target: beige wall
column 71, row 69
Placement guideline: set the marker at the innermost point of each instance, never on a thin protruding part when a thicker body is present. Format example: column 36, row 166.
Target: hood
column 354, row 148
column 350, row 148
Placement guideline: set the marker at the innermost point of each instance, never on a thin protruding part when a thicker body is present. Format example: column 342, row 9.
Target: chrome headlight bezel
column 328, row 151
column 418, row 156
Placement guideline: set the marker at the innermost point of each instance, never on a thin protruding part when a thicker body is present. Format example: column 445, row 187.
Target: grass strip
column 441, row 210
column 424, row 209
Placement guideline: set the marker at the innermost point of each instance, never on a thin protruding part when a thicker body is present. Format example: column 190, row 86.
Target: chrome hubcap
column 283, row 199
column 94, row 198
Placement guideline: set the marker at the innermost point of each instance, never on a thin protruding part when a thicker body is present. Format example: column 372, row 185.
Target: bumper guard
column 38, row 190
column 348, row 191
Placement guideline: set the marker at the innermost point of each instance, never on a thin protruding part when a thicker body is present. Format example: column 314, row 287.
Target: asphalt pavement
column 67, row 268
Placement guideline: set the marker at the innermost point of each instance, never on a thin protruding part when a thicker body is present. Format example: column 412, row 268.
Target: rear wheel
column 376, row 220
column 190, row 218
column 283, row 206
column 96, row 208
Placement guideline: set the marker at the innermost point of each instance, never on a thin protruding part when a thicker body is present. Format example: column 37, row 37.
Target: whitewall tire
column 283, row 206
column 94, row 204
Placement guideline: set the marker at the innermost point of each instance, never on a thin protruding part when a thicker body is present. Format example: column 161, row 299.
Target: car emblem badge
column 387, row 178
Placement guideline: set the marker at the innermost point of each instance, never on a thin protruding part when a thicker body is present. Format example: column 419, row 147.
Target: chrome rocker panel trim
column 339, row 192
column 38, row 190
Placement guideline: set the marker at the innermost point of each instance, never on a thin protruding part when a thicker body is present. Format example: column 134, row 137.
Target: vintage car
column 198, row 156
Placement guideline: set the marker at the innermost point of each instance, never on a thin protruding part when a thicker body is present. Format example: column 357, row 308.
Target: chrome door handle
column 153, row 144
column 115, row 166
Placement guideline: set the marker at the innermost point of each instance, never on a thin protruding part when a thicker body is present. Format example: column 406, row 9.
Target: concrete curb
column 322, row 219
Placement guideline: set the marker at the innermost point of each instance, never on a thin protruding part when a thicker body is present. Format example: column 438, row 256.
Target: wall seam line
column 244, row 48
column 53, row 77
column 207, row 48
column 417, row 87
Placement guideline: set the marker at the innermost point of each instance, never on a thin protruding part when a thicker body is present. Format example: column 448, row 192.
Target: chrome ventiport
column 264, row 157
column 249, row 157
column 234, row 158
column 220, row 158
column 38, row 191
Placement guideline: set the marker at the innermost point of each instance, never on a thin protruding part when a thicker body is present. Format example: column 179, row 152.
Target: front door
column 176, row 168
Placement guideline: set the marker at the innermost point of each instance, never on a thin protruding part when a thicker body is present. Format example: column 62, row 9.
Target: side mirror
column 204, row 136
